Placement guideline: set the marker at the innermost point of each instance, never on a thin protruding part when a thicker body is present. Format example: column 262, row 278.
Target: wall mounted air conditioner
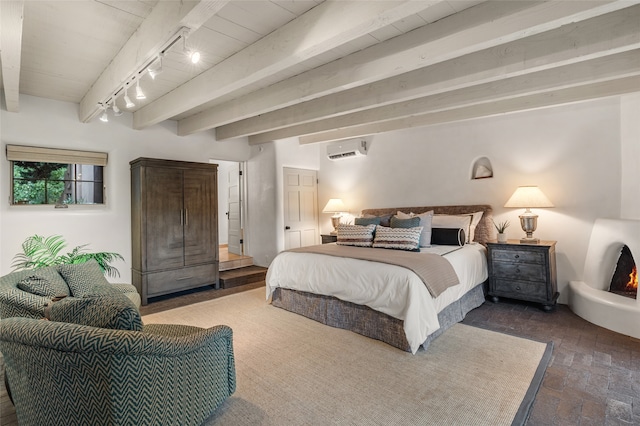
column 347, row 149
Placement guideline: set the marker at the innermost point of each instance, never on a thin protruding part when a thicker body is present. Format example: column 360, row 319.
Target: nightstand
column 329, row 238
column 523, row 272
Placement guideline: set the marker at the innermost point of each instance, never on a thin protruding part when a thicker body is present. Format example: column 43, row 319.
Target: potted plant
column 40, row 252
column 501, row 227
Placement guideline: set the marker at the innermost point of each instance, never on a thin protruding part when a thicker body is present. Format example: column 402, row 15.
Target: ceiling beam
column 480, row 27
column 164, row 21
column 523, row 103
column 11, row 17
column 600, row 69
column 596, row 37
column 325, row 27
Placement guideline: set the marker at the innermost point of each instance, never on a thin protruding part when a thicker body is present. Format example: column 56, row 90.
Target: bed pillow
column 448, row 236
column 364, row 221
column 397, row 238
column 355, row 235
column 45, row 282
column 453, row 221
column 426, row 220
column 411, row 222
column 475, row 220
column 385, row 220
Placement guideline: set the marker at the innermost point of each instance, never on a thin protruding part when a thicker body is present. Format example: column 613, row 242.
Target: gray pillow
column 86, row 279
column 45, row 282
column 364, row 221
column 414, row 222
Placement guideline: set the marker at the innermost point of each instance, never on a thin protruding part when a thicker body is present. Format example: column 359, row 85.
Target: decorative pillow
column 115, row 311
column 86, row 279
column 364, row 221
column 45, row 282
column 426, row 219
column 462, row 221
column 398, row 238
column 385, row 220
column 475, row 220
column 355, row 235
column 448, row 236
column 405, row 223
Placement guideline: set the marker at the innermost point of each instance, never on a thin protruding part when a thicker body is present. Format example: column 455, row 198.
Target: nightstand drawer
column 518, row 256
column 519, row 271
column 521, row 289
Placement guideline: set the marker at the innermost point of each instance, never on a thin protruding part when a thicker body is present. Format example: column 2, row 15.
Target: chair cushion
column 86, row 279
column 45, row 282
column 115, row 312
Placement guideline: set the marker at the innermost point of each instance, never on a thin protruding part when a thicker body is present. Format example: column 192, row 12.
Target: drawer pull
column 517, row 256
column 518, row 270
column 518, row 288
column 184, row 278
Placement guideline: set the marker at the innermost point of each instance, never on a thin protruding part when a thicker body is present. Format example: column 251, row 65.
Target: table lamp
column 527, row 197
column 335, row 206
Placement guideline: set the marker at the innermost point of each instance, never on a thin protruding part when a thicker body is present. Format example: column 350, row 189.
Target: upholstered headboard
column 485, row 230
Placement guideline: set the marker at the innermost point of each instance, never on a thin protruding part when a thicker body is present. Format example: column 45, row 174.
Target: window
column 53, row 176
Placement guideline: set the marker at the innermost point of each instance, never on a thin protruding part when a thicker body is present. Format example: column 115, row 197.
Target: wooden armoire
column 174, row 226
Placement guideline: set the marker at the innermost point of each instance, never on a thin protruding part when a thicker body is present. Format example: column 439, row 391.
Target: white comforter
column 393, row 290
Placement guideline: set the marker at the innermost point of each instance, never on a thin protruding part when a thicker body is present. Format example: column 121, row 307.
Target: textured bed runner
column 436, row 272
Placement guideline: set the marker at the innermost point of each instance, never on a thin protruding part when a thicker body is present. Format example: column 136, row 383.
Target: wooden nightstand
column 329, row 238
column 523, row 271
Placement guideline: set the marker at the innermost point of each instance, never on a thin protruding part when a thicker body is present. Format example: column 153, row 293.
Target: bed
column 379, row 300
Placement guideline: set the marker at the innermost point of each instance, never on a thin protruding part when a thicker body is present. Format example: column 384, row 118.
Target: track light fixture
column 116, row 111
column 127, row 99
column 139, row 93
column 193, row 55
column 104, row 117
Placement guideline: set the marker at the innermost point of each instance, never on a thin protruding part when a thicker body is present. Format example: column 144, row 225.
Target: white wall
column 572, row 152
column 47, row 123
column 630, row 144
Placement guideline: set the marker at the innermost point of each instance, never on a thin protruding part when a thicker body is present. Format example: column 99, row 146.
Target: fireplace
column 625, row 278
column 590, row 298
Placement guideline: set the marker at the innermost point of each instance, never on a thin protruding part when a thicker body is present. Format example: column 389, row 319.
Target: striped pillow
column 398, row 238
column 355, row 235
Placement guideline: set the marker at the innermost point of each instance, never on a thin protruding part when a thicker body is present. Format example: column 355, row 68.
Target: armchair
column 70, row 374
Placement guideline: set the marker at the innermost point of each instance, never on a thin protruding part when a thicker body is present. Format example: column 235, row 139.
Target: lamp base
column 526, row 240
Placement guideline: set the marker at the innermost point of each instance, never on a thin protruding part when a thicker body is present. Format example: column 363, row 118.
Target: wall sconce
column 527, row 197
column 337, row 207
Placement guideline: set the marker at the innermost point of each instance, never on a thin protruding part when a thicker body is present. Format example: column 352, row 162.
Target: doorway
column 231, row 214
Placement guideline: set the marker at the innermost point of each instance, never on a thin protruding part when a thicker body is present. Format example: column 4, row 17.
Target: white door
column 234, row 213
column 300, row 208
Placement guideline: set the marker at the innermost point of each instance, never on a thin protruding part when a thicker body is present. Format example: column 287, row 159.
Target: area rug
column 294, row 371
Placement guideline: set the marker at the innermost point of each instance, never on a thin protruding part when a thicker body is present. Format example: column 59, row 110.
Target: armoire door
column 164, row 218
column 200, row 217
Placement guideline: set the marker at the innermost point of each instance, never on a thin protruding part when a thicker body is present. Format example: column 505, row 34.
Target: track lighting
column 127, row 99
column 139, row 92
column 156, row 67
column 104, row 117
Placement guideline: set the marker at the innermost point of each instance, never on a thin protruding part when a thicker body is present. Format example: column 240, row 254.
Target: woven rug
column 294, row 371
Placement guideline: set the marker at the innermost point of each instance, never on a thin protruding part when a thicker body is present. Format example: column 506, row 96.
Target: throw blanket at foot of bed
column 436, row 272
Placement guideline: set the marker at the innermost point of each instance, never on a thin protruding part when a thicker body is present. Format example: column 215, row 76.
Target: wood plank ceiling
column 317, row 70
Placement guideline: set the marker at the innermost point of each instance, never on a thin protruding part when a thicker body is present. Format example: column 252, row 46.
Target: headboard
column 485, row 230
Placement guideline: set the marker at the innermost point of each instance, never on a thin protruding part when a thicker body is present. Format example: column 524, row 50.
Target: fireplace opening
column 625, row 278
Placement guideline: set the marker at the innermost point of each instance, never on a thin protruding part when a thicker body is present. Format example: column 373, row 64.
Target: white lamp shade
column 527, row 197
column 335, row 205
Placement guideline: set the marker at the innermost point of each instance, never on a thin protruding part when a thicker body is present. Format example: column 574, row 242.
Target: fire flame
column 633, row 280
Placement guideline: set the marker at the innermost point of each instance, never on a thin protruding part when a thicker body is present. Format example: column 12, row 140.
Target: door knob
column 286, row 228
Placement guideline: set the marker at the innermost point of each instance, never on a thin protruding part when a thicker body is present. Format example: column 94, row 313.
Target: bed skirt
column 367, row 322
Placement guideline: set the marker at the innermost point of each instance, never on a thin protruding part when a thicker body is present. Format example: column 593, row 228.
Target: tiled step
column 242, row 276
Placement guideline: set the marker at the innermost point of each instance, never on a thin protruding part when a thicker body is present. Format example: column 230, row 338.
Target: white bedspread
column 393, row 290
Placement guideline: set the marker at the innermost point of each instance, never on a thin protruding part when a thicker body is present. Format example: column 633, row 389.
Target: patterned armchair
column 62, row 373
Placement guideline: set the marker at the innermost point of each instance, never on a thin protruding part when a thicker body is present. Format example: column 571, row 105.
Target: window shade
column 53, row 155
